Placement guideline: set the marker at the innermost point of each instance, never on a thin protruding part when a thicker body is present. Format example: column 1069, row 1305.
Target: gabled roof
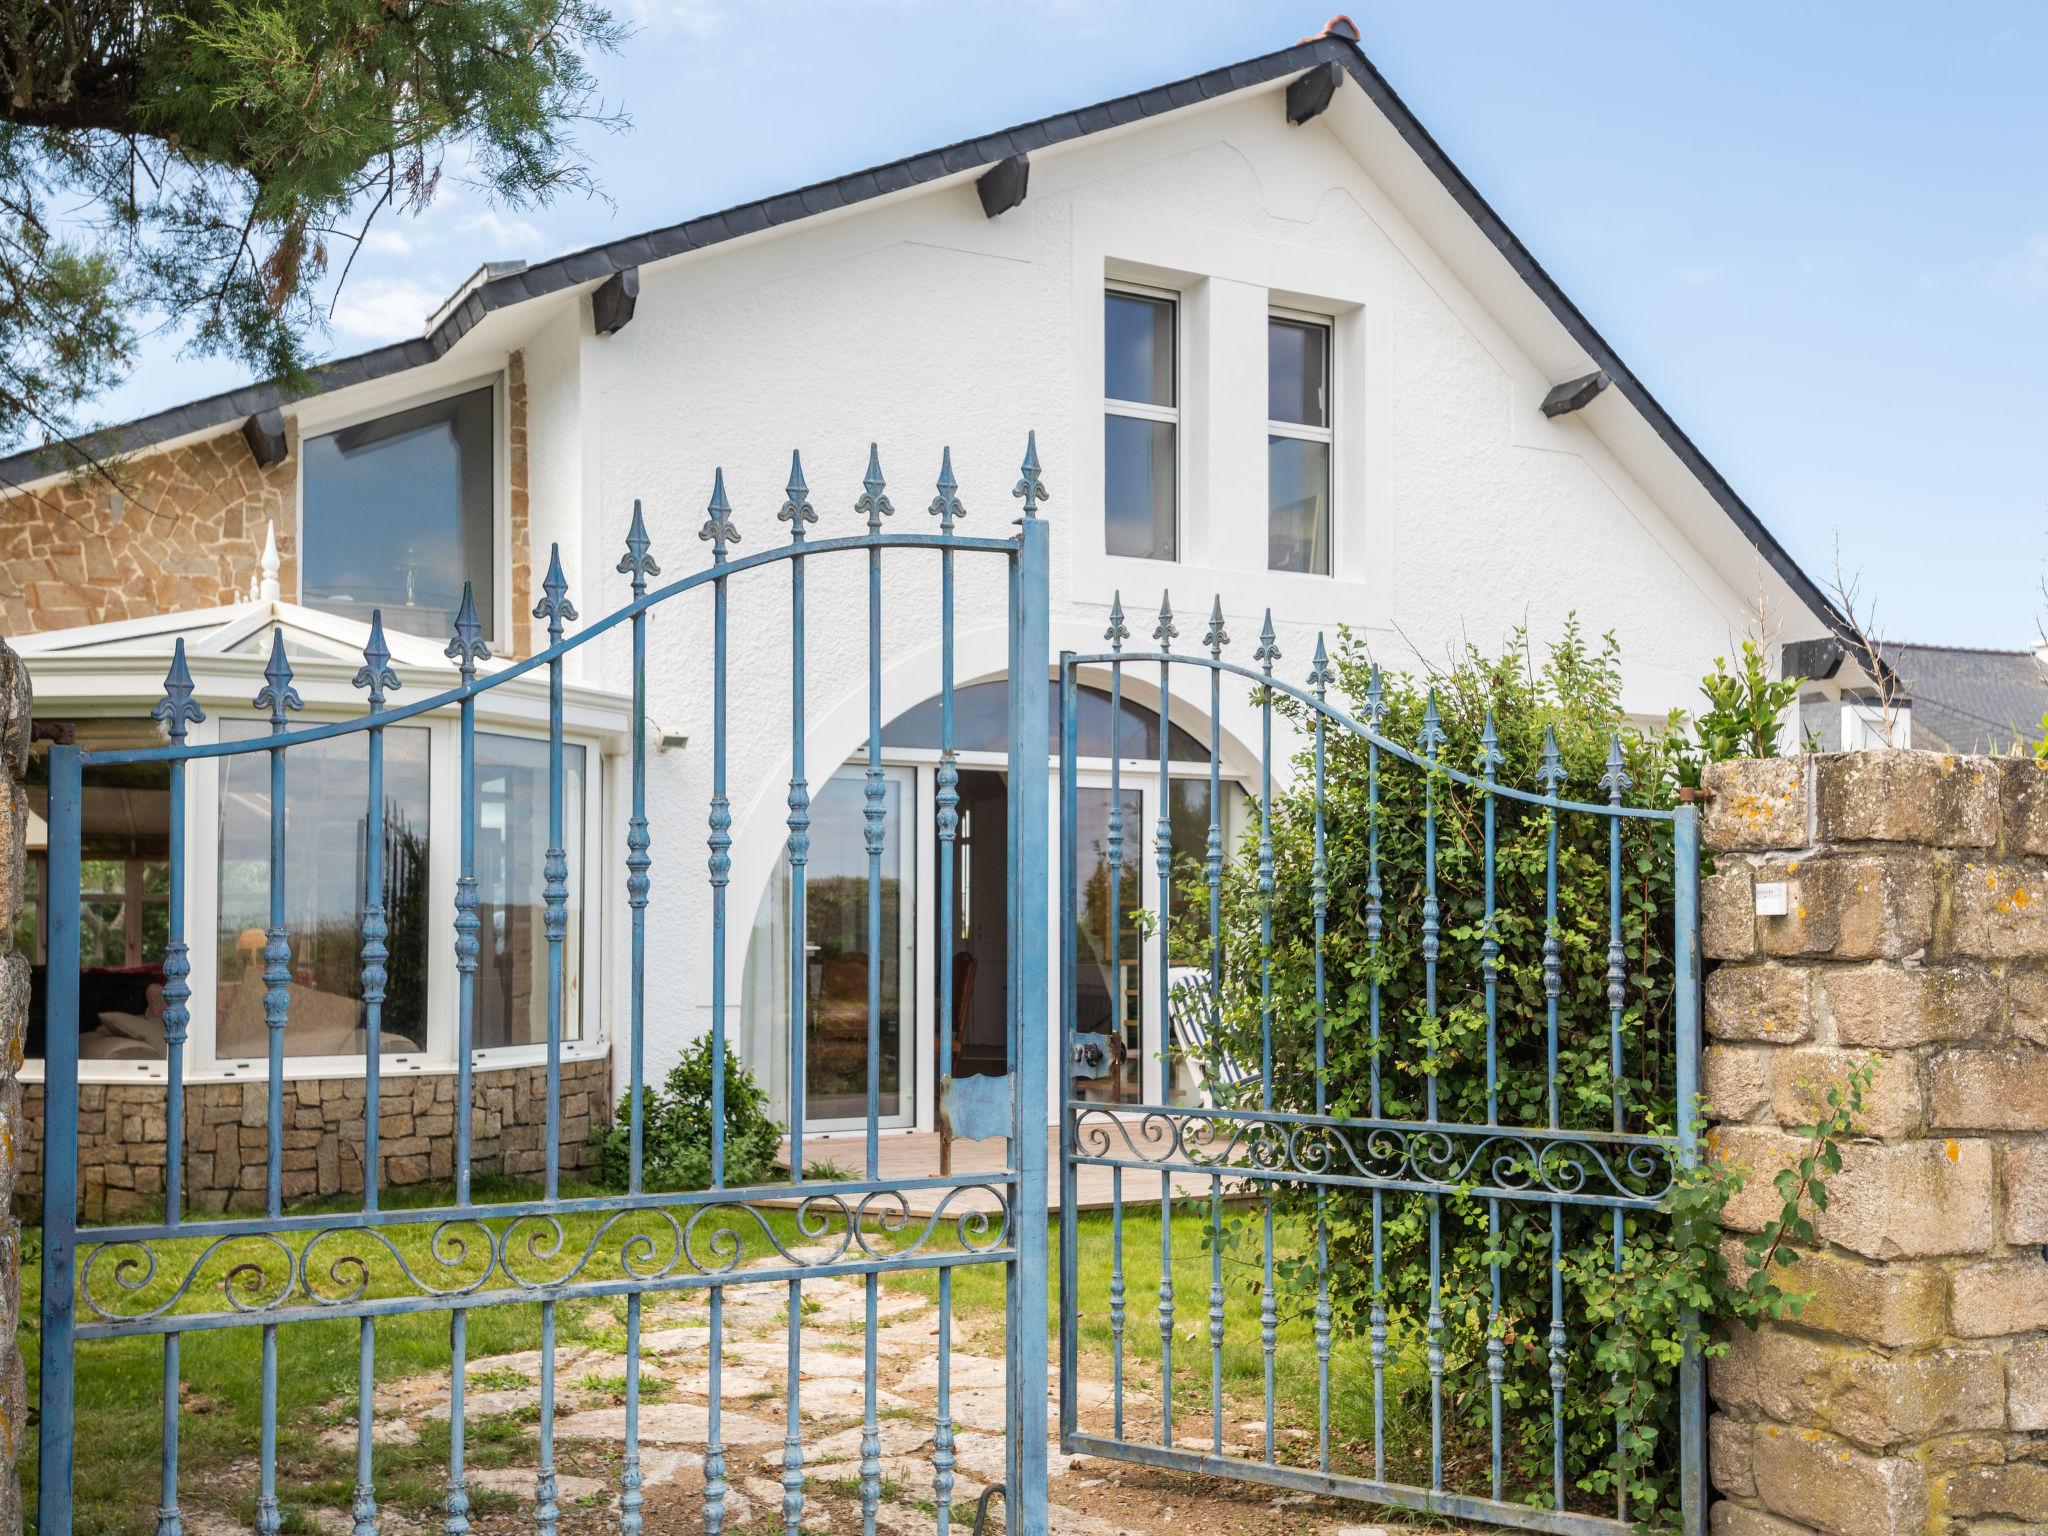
column 1336, row 45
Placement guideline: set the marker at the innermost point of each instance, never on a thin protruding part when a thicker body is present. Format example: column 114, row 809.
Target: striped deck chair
column 1222, row 1082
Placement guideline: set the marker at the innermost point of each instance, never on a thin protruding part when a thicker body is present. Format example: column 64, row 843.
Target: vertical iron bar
column 1429, row 745
column 1216, row 639
column 278, row 695
column 1267, row 653
column 556, row 608
column 1319, row 678
column 60, row 1147
column 946, row 506
column 1030, row 700
column 875, row 503
column 797, row 511
column 1553, row 775
column 1062, row 1086
column 718, row 529
column 176, row 711
column 637, row 564
column 375, row 675
column 942, row 1430
column 1490, row 759
column 466, row 649
column 1116, row 634
column 1375, row 713
column 1116, row 1300
column 1615, row 780
column 1162, row 852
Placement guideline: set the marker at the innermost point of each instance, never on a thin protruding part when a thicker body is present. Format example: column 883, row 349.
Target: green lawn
column 119, row 1381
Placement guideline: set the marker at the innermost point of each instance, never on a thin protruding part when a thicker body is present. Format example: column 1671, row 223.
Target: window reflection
column 511, row 852
column 398, row 511
column 327, row 822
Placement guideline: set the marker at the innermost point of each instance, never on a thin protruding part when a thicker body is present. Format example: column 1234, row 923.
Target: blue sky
column 1818, row 232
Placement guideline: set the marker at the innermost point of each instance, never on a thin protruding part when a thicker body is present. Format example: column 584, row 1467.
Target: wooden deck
column 915, row 1155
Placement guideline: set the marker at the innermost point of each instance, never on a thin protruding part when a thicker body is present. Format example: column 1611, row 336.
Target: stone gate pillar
column 1911, row 1393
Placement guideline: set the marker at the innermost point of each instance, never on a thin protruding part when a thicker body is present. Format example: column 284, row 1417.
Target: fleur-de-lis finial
column 554, row 604
column 1118, row 631
column 874, row 503
column 1268, row 650
column 1320, row 673
column 467, row 648
column 1552, row 773
column 277, row 693
column 796, row 506
column 1431, row 737
column 1029, row 486
column 1165, row 630
column 718, row 529
column 1216, row 636
column 637, row 562
column 375, row 673
column 947, row 506
column 1375, row 698
column 1490, row 755
column 175, row 710
column 1616, row 780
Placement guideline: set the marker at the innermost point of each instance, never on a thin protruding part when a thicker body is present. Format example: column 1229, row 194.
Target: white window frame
column 1326, row 435
column 498, row 623
column 1139, row 410
column 202, row 920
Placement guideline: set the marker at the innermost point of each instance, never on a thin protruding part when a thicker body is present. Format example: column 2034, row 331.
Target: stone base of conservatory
column 121, row 1131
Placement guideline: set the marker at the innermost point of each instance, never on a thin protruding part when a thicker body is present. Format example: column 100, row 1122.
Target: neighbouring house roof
column 1973, row 701
column 495, row 288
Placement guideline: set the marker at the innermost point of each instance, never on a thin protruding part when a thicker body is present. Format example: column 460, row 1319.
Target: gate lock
column 1094, row 1054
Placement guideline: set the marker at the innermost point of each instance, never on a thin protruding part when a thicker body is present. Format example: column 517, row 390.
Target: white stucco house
column 1275, row 348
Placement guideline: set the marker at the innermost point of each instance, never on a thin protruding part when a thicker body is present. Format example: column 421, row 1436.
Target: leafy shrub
column 676, row 1145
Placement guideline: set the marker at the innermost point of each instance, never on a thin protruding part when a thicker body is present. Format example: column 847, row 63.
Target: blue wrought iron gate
column 1316, row 1191
column 181, row 1275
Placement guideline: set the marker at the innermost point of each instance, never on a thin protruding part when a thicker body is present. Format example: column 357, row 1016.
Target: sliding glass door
column 843, row 955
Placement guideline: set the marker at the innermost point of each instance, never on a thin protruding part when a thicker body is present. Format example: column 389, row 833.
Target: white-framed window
column 124, row 901
column 1141, row 423
column 1300, row 450
column 398, row 509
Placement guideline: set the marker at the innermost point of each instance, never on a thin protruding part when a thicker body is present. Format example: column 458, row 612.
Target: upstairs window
column 1141, row 425
column 398, row 512
column 1298, row 445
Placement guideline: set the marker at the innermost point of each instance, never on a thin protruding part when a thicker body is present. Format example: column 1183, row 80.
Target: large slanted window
column 399, row 511
column 1140, row 425
column 1298, row 445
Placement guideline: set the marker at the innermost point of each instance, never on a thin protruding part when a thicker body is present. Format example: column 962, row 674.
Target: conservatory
column 95, row 687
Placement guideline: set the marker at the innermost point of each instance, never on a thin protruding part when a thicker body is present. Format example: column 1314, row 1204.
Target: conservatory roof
column 123, row 662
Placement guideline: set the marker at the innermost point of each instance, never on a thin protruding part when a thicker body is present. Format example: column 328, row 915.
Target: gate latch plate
column 977, row 1108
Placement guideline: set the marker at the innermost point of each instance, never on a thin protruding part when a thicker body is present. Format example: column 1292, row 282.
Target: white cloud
column 701, row 19
column 384, row 308
column 386, row 242
column 502, row 230
column 1699, row 275
column 2027, row 268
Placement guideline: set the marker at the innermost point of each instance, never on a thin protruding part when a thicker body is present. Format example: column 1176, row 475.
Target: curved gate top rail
column 1566, row 1184
column 178, row 1276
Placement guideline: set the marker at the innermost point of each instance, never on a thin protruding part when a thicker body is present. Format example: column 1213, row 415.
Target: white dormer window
column 1298, row 444
column 1141, row 424
column 398, row 511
